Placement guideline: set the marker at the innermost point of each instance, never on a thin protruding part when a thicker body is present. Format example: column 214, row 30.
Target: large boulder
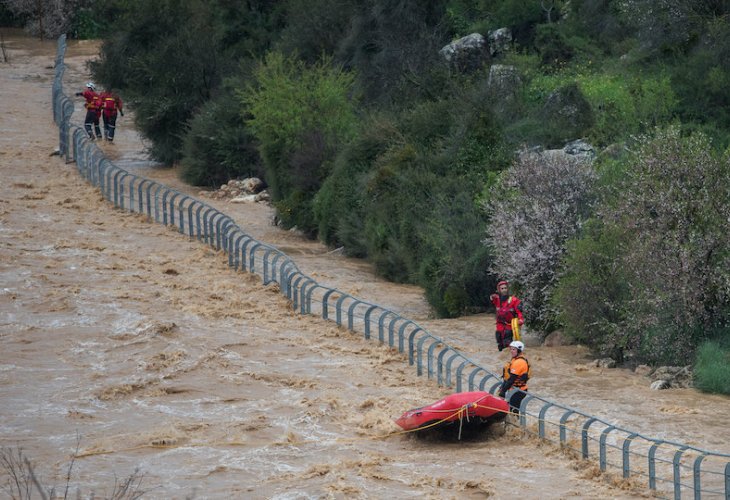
column 557, row 339
column 467, row 54
column 580, row 149
column 574, row 150
column 500, row 41
column 504, row 82
column 673, row 376
column 568, row 112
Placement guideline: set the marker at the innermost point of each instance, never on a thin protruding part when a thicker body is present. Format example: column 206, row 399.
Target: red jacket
column 506, row 310
column 93, row 100
column 111, row 103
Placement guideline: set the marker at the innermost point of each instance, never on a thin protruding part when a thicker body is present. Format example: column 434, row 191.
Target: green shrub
column 404, row 193
column 315, row 27
column 301, row 115
column 613, row 106
column 453, row 263
column 712, row 366
column 521, row 16
column 164, row 67
column 217, row 146
column 339, row 206
column 620, row 105
column 553, row 46
column 701, row 79
column 591, row 292
column 84, row 25
column 423, row 223
column 656, row 102
column 546, row 97
column 9, row 18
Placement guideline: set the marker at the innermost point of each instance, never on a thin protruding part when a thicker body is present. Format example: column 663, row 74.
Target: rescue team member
column 110, row 104
column 516, row 373
column 507, row 307
column 93, row 109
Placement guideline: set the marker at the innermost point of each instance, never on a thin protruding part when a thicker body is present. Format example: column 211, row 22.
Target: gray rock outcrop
column 675, row 377
column 467, row 54
column 500, row 41
column 504, row 82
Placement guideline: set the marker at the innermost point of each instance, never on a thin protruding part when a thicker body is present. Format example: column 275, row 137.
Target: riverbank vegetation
column 372, row 141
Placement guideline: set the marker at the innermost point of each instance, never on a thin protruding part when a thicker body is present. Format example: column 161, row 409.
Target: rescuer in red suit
column 507, row 307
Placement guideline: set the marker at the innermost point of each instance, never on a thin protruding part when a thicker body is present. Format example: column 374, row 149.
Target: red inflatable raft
column 463, row 406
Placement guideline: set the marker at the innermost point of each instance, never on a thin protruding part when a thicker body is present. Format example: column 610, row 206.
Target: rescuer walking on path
column 516, row 373
column 93, row 109
column 111, row 103
column 507, row 307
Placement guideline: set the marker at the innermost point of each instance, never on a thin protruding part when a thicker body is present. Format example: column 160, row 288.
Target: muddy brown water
column 129, row 346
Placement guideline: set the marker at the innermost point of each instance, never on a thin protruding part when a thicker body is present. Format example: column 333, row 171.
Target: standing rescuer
column 516, row 373
column 111, row 103
column 93, row 108
column 507, row 307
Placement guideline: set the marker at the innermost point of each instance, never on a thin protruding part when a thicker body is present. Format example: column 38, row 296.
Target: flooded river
column 125, row 346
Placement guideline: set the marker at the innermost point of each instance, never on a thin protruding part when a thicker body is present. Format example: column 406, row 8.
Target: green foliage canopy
column 300, row 116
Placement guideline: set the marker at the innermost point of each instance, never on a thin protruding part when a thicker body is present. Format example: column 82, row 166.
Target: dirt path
column 144, row 350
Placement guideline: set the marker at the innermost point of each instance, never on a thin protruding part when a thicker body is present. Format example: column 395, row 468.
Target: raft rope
column 462, row 413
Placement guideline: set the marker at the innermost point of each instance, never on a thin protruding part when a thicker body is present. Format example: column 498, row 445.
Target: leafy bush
column 702, row 83
column 441, row 154
column 9, row 18
column 165, row 65
column 712, row 366
column 521, row 16
column 403, row 193
column 669, row 211
column 600, row 22
column 44, row 19
column 452, row 262
column 300, row 116
column 655, row 101
column 339, row 205
column 613, row 105
column 84, row 24
column 665, row 28
column 396, row 77
column 591, row 289
column 619, row 104
column 553, row 46
column 315, row 27
column 218, row 147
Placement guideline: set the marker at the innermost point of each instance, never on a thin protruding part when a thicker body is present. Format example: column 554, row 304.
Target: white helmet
column 518, row 345
column 91, row 86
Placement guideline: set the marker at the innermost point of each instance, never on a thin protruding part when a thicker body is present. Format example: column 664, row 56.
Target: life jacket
column 523, row 372
column 94, row 103
column 109, row 104
column 506, row 311
column 93, row 100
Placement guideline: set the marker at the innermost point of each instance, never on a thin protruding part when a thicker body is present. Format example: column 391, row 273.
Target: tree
column 166, row 64
column 45, row 18
column 300, row 116
column 670, row 26
column 672, row 204
column 539, row 204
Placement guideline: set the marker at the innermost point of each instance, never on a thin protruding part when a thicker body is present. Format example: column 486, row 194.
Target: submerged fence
column 666, row 467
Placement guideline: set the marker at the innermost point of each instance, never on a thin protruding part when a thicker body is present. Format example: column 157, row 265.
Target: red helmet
column 503, row 282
